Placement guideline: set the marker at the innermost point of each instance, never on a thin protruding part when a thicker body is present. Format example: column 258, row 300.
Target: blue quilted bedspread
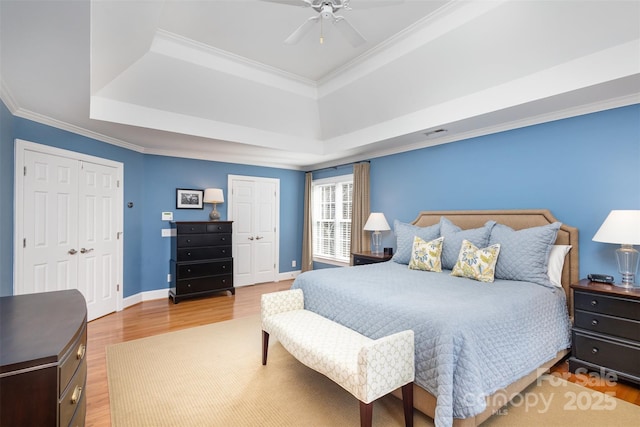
column 471, row 338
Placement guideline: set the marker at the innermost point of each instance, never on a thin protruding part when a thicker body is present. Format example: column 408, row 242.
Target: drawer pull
column 594, row 322
column 188, row 240
column 594, row 350
column 188, row 270
column 82, row 349
column 224, row 267
column 75, row 396
column 594, row 302
column 188, row 253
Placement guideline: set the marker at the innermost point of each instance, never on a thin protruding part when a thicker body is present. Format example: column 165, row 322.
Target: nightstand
column 606, row 330
column 366, row 257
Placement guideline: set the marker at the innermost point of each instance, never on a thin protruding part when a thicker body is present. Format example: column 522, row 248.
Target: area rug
column 212, row 376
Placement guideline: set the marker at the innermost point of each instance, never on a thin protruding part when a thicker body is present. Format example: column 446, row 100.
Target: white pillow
column 556, row 262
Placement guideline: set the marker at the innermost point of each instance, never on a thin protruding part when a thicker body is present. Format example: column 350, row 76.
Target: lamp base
column 214, row 215
column 628, row 259
column 377, row 244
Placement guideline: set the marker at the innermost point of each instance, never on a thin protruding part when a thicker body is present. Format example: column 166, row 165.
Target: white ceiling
column 214, row 80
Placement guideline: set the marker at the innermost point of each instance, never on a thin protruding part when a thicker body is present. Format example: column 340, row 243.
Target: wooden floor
column 160, row 316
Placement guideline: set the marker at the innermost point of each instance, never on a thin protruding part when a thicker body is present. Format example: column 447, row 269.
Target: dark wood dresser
column 201, row 260
column 606, row 330
column 43, row 369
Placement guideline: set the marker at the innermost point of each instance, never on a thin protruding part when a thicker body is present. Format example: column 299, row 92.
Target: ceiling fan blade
column 301, row 3
column 369, row 4
column 303, row 29
column 348, row 31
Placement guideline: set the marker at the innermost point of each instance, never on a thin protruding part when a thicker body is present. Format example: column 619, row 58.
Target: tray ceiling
column 214, row 80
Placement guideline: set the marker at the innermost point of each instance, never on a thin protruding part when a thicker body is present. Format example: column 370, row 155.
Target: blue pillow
column 404, row 238
column 454, row 235
column 524, row 254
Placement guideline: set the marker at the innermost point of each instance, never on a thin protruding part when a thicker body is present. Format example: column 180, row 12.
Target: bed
column 477, row 344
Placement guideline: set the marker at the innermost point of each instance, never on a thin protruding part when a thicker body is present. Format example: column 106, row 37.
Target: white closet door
column 97, row 266
column 254, row 211
column 68, row 222
column 50, row 226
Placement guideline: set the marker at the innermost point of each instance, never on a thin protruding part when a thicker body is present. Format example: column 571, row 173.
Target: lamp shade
column 621, row 227
column 213, row 195
column 377, row 222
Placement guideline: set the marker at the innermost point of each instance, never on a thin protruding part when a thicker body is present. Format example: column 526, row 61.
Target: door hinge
column 24, row 243
column 24, row 171
column 118, row 183
column 118, row 287
column 118, row 234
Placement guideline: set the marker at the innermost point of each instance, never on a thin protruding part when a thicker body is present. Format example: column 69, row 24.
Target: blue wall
column 169, row 173
column 6, row 208
column 579, row 168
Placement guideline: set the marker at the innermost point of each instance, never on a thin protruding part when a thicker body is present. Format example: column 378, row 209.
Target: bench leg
column 407, row 401
column 265, row 346
column 366, row 414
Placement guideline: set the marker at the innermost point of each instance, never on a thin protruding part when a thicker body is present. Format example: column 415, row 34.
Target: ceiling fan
column 326, row 13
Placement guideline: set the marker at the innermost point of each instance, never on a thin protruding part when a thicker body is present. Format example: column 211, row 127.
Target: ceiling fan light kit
column 326, row 11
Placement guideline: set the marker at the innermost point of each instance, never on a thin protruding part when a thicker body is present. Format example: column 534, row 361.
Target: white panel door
column 253, row 208
column 265, row 230
column 50, row 232
column 68, row 217
column 97, row 269
column 243, row 235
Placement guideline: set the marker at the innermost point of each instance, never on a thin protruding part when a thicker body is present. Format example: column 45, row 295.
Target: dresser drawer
column 201, row 269
column 617, row 355
column 206, row 252
column 204, row 284
column 72, row 398
column 202, row 227
column 611, row 325
column 187, row 241
column 72, row 359
column 589, row 301
column 81, row 413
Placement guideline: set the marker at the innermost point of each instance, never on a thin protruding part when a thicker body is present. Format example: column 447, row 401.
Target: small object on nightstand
column 366, row 257
column 602, row 278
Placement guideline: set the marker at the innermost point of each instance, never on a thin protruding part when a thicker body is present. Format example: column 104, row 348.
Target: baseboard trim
column 164, row 293
column 146, row 296
column 287, row 275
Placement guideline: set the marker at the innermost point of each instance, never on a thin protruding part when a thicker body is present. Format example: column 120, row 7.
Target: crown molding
column 185, row 49
column 567, row 113
column 7, row 98
column 58, row 124
column 450, row 16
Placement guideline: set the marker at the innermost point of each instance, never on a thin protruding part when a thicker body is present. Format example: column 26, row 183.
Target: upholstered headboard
column 516, row 219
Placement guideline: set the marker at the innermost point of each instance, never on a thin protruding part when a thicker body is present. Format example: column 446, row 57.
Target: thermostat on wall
column 167, row 216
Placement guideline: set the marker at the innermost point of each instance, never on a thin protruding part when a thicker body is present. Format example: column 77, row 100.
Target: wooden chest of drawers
column 43, row 369
column 201, row 260
column 606, row 332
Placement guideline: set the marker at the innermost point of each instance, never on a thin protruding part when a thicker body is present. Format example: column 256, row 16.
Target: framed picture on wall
column 189, row 199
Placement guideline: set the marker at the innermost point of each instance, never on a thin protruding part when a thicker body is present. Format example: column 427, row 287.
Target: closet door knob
column 72, row 252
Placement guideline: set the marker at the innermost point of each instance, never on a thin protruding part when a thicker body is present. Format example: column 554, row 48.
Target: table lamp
column 215, row 196
column 623, row 227
column 376, row 223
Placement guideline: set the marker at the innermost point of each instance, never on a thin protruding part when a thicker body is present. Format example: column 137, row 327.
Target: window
column 331, row 215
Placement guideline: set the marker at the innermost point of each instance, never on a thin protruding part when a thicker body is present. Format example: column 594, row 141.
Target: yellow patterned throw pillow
column 477, row 264
column 426, row 255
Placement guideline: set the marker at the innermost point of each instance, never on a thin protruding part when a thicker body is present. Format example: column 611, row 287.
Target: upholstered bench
column 366, row 368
